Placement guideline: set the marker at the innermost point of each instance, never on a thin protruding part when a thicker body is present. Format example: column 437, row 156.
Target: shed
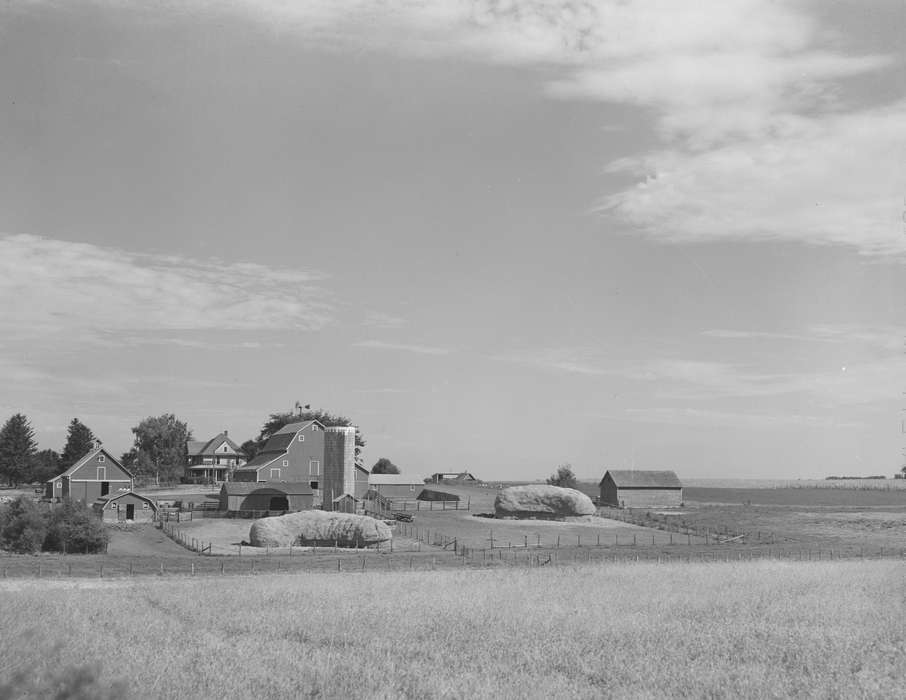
column 271, row 495
column 123, row 507
column 347, row 503
column 632, row 488
column 399, row 486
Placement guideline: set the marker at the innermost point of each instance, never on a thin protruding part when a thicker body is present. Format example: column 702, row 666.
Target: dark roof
column 243, row 488
column 261, row 459
column 195, row 448
column 278, row 442
column 637, row 478
column 293, row 428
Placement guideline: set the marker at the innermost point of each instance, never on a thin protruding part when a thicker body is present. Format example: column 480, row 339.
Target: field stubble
column 765, row 629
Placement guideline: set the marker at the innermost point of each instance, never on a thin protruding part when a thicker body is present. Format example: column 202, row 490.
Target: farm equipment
column 402, row 517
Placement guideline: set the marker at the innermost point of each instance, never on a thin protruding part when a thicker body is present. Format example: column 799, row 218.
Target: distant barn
column 631, row 488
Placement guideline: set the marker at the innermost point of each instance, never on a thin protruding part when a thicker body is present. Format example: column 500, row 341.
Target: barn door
column 130, row 511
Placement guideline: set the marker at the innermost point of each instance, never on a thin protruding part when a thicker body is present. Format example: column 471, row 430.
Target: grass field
column 747, row 630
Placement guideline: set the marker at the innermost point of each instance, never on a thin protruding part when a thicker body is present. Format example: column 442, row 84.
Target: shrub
column 23, row 526
column 74, row 528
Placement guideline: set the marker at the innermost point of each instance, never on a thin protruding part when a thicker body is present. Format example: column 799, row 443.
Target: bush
column 22, row 526
column 74, row 528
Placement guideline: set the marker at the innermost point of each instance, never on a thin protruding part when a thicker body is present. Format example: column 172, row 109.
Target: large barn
column 96, row 475
column 284, row 496
column 631, row 488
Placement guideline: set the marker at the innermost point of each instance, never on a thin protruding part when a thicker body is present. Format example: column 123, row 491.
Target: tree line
column 158, row 451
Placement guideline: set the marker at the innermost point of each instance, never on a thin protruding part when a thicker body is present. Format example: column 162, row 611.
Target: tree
column 23, row 526
column 278, row 420
column 79, row 442
column 46, row 465
column 160, row 447
column 250, row 448
column 384, row 466
column 17, row 449
column 564, row 477
column 74, row 529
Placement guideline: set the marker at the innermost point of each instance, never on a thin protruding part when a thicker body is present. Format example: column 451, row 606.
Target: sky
column 498, row 236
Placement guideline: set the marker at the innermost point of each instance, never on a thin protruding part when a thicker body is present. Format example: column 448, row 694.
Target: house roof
column 393, row 480
column 86, row 458
column 244, row 488
column 637, row 478
column 195, row 448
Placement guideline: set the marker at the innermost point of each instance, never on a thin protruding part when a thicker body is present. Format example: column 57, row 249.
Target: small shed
column 125, row 507
column 636, row 488
column 347, row 503
column 397, row 486
column 270, row 495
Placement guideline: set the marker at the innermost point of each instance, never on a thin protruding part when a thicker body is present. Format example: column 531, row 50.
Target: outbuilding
column 125, row 507
column 635, row 488
column 397, row 486
column 273, row 495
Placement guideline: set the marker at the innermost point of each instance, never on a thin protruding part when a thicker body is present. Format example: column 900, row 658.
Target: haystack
column 317, row 527
column 542, row 502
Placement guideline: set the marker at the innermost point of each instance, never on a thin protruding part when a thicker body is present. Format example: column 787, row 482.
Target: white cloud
column 888, row 338
column 51, row 286
column 697, row 417
column 377, row 319
column 418, row 349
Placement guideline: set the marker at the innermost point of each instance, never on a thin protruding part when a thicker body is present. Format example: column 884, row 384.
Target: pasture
column 749, row 630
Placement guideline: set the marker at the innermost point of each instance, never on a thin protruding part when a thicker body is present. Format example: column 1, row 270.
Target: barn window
column 59, row 484
column 275, row 473
column 285, row 462
column 102, row 473
column 101, row 458
column 412, row 487
column 301, row 437
column 314, row 467
column 113, row 506
column 313, row 485
column 145, row 506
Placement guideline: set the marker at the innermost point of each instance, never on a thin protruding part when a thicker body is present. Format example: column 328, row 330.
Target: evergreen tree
column 79, row 442
column 17, row 450
column 564, row 477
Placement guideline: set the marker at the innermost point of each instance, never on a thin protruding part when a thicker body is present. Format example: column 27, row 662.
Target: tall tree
column 160, row 447
column 384, row 466
column 46, row 465
column 564, row 477
column 17, row 450
column 79, row 441
column 250, row 448
column 278, row 420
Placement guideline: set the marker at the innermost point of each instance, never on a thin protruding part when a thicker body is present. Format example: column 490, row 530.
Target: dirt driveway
column 143, row 541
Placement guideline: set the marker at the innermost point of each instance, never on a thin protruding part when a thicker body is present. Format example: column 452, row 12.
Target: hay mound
column 317, row 527
column 542, row 502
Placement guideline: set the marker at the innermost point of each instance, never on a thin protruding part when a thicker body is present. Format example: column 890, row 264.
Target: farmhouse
column 284, row 496
column 307, row 452
column 98, row 474
column 214, row 459
column 395, row 485
column 125, row 506
column 632, row 488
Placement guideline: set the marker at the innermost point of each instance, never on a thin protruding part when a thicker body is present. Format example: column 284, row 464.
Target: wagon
column 402, row 517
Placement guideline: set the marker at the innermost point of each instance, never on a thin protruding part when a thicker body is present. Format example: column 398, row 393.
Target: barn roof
column 83, row 460
column 244, row 488
column 107, row 499
column 262, row 459
column 637, row 478
column 293, row 428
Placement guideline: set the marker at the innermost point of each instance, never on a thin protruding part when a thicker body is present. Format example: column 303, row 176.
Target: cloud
column 889, row 338
column 696, row 417
column 418, row 349
column 52, row 286
column 377, row 319
column 748, row 99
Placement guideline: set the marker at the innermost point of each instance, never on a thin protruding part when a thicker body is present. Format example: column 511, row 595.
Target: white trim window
column 301, row 437
column 102, row 459
column 275, row 473
column 314, row 467
column 102, row 473
column 285, row 462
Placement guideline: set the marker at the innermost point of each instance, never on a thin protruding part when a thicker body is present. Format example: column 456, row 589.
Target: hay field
column 748, row 630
